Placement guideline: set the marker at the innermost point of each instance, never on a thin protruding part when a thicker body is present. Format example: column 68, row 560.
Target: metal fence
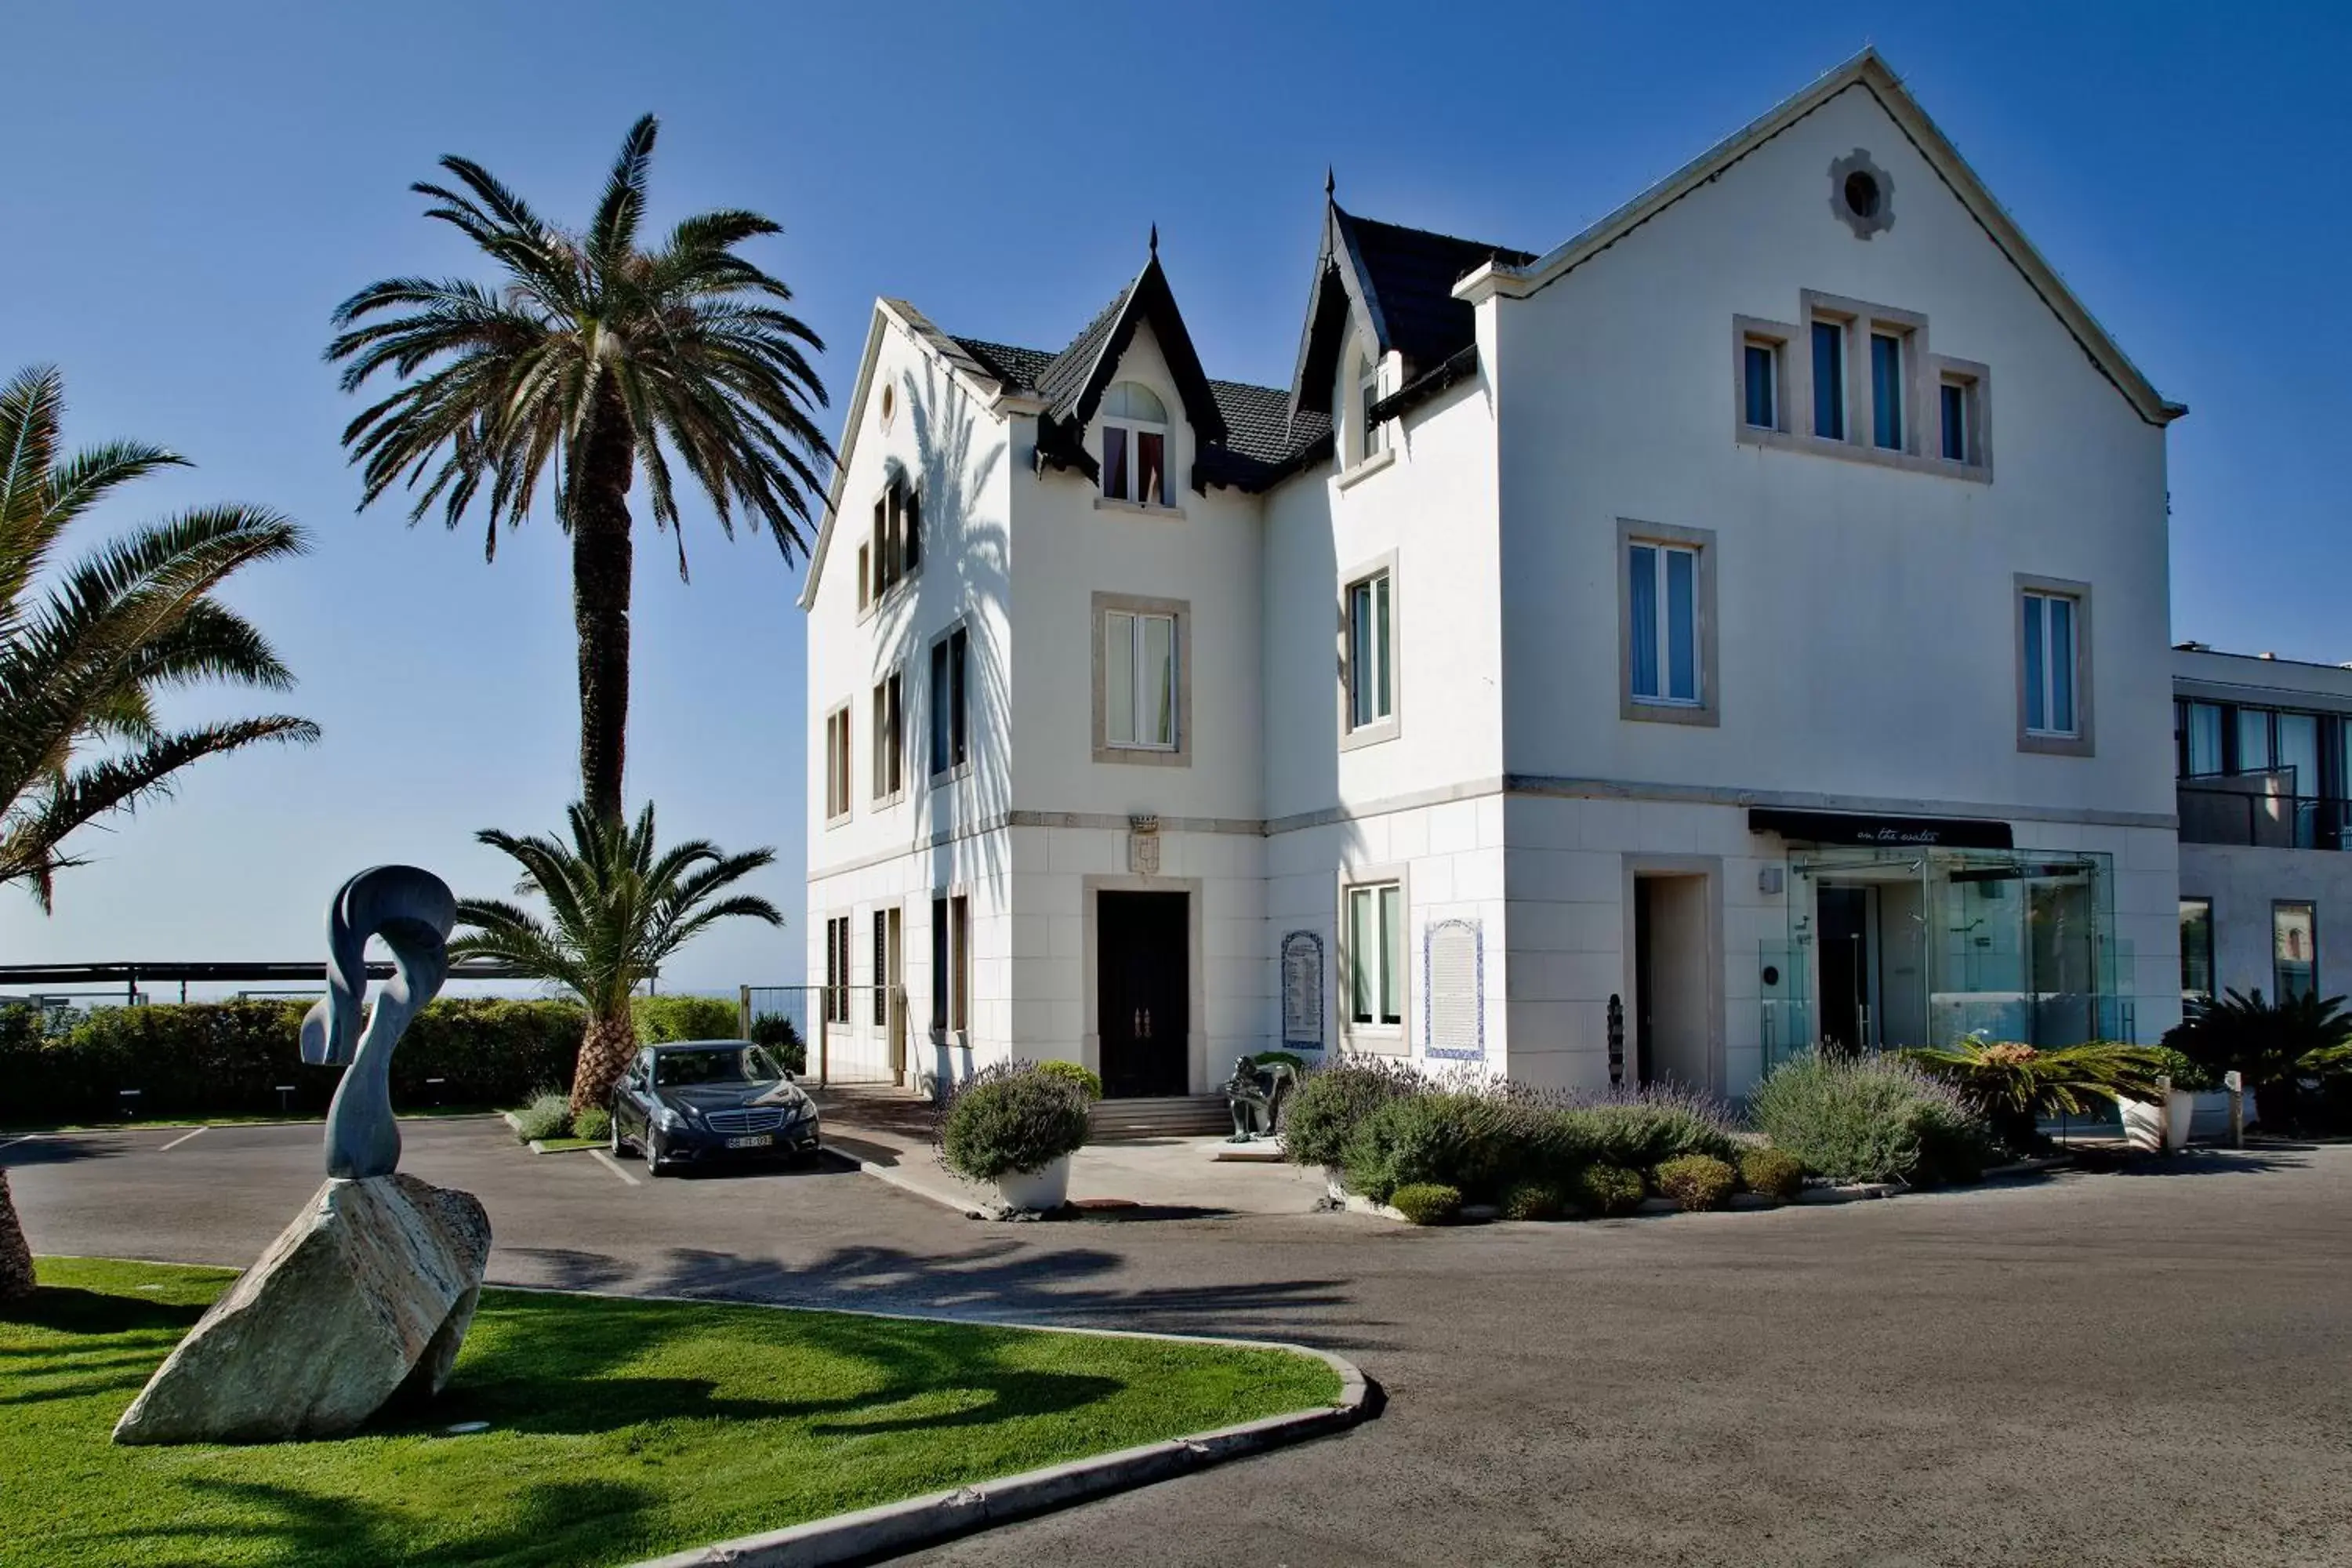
column 854, row 1033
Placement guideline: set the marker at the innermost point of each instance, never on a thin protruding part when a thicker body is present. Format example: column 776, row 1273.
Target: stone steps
column 1173, row 1116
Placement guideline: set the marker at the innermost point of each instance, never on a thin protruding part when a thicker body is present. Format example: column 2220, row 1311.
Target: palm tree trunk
column 605, row 1052
column 16, row 1257
column 602, row 560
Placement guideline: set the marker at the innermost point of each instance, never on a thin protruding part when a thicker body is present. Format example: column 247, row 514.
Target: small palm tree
column 616, row 909
column 603, row 359
column 84, row 655
column 2271, row 1046
column 2015, row 1085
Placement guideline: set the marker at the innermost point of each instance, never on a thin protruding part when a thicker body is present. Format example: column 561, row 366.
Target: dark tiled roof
column 1258, row 425
column 1412, row 272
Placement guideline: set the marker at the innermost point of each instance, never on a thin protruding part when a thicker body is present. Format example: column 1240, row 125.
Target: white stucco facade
column 1552, row 838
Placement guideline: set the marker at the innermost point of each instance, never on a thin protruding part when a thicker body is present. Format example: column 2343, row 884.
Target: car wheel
column 655, row 1165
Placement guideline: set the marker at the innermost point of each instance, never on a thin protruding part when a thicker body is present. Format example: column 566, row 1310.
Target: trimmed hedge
column 1605, row 1190
column 1871, row 1119
column 228, row 1058
column 1696, row 1183
column 1427, row 1203
column 661, row 1019
column 1772, row 1173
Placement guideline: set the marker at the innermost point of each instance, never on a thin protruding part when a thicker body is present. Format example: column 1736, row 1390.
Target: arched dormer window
column 1135, row 445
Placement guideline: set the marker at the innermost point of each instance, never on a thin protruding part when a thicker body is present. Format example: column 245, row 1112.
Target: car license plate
column 757, row 1141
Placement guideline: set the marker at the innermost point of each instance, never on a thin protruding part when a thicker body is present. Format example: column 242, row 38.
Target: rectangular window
column 2295, row 950
column 1370, row 673
column 1955, row 422
column 2196, row 948
column 950, row 737
column 1368, row 392
column 2253, row 740
column 1829, row 381
column 1762, row 386
column 2200, row 739
column 881, row 968
column 1887, row 390
column 837, row 763
column 896, row 546
column 1151, row 467
column 1114, row 467
column 951, row 963
column 1139, row 680
column 2050, row 665
column 837, row 970
column 864, row 575
column 891, row 736
column 1664, row 624
column 1376, row 954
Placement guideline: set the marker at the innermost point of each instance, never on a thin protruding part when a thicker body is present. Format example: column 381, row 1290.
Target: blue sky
column 195, row 188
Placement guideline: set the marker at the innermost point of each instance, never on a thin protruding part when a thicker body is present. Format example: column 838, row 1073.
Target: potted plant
column 2013, row 1085
column 2158, row 1116
column 2273, row 1046
column 1015, row 1126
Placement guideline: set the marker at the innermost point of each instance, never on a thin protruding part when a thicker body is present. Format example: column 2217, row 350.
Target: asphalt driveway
column 2084, row 1369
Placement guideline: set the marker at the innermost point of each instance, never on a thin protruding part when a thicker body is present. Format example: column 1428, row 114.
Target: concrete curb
column 973, row 1209
column 889, row 1529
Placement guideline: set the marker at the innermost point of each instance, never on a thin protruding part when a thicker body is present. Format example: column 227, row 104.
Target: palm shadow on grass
column 69, row 1309
column 550, row 1366
column 556, row 1522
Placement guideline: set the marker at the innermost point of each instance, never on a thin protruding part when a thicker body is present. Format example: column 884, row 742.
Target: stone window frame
column 841, row 712
column 1380, row 730
column 1924, row 376
column 2083, row 742
column 893, row 675
column 1180, row 754
column 1707, row 712
column 1380, row 1039
column 932, row 697
column 873, row 593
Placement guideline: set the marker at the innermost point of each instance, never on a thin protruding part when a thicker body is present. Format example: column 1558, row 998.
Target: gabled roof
column 1399, row 282
column 1246, row 436
column 1869, row 73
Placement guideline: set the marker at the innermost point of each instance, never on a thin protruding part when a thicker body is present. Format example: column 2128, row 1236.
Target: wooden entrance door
column 1143, row 986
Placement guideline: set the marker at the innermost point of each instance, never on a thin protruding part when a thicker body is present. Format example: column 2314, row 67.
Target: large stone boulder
column 366, row 1296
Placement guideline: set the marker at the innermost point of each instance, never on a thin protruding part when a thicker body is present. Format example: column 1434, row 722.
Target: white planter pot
column 2159, row 1127
column 1044, row 1190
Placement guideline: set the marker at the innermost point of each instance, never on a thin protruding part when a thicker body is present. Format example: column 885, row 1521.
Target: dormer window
column 1135, row 445
column 1368, row 392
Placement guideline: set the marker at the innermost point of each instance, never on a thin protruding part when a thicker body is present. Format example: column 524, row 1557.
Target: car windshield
column 720, row 1064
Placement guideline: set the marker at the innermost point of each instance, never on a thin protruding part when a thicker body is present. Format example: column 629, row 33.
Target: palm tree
column 2271, row 1046
column 84, row 656
column 604, row 358
column 616, row 910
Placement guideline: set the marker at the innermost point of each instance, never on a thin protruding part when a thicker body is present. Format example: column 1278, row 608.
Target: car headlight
column 668, row 1120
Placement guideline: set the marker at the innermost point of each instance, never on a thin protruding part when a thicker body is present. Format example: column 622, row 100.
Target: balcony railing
column 2252, row 810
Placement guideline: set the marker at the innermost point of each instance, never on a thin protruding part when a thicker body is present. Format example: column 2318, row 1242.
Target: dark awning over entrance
column 1860, row 827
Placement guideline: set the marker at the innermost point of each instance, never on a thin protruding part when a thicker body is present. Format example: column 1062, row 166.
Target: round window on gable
column 890, row 404
column 1862, row 195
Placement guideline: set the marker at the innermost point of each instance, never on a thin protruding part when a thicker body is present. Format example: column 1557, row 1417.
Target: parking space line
column 177, row 1142
column 611, row 1164
column 12, row 1142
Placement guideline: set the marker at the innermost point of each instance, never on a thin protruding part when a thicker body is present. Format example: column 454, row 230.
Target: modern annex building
column 1745, row 621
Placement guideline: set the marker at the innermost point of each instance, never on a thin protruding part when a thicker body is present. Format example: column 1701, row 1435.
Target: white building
column 1749, row 615
column 2264, row 758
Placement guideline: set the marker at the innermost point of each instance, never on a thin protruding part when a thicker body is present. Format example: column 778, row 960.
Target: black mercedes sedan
column 702, row 1102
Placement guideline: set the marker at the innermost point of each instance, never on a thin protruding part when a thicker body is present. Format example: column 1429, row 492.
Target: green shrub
column 1322, row 1114
column 547, row 1115
column 2188, row 1075
column 228, row 1059
column 1644, row 1127
column 1013, row 1117
column 1290, row 1059
column 1448, row 1139
column 1533, row 1200
column 1427, row 1203
column 1870, row 1119
column 661, row 1019
column 782, row 1039
column 1073, row 1072
column 1607, row 1190
column 1697, row 1181
column 593, row 1122
column 2013, row 1085
column 1772, row 1173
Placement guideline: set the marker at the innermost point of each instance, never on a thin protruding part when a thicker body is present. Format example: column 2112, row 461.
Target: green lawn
column 618, row 1429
